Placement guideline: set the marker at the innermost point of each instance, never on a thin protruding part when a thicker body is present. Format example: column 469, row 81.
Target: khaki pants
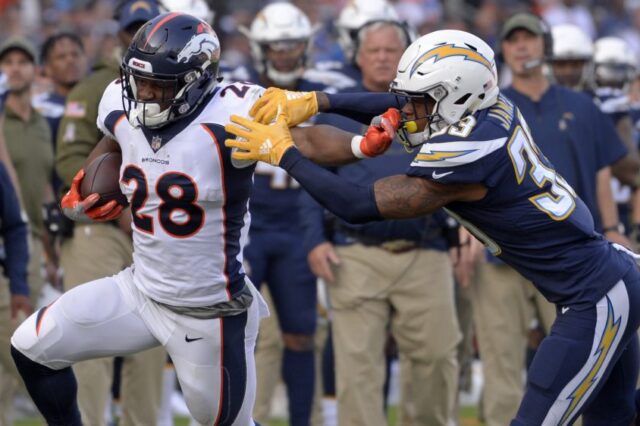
column 268, row 362
column 269, row 365
column 412, row 291
column 504, row 304
column 9, row 377
column 98, row 250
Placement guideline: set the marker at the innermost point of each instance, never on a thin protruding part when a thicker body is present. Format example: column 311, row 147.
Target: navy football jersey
column 613, row 102
column 530, row 217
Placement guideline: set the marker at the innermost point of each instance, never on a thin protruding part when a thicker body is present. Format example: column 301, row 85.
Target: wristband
column 355, row 147
column 619, row 228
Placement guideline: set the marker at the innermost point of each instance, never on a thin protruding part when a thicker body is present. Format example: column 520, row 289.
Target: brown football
column 102, row 176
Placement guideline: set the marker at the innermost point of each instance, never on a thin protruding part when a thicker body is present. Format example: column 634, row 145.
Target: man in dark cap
column 110, row 242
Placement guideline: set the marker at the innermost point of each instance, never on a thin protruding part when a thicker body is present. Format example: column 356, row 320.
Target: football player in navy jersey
column 478, row 160
column 397, row 300
column 281, row 38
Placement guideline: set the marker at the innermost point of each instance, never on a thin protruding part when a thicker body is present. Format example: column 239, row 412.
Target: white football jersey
column 188, row 198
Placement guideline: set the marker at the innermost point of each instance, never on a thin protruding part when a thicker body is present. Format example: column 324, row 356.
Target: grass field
column 468, row 417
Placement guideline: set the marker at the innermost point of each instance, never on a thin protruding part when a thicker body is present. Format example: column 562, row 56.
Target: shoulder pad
column 110, row 104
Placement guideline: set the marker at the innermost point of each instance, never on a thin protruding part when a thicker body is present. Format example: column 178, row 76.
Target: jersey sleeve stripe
column 113, row 119
column 224, row 203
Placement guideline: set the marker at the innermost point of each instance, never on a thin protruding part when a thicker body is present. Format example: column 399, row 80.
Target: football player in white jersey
column 186, row 289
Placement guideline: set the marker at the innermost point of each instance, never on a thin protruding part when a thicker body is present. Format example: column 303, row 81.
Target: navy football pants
column 588, row 364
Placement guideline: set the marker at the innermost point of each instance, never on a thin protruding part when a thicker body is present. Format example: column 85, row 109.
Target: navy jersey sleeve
column 361, row 107
column 312, row 221
column 609, row 145
column 463, row 155
column 14, row 234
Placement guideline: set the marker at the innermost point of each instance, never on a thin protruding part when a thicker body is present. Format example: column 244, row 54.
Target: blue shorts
column 588, row 364
column 278, row 259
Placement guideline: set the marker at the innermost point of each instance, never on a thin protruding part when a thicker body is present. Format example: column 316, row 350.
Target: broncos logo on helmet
column 203, row 43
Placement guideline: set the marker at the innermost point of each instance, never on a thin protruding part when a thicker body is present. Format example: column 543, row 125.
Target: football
column 102, row 176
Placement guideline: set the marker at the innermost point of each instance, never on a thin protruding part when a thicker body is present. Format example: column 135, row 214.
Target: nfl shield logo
column 156, row 143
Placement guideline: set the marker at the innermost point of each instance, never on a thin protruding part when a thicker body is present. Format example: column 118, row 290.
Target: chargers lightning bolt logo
column 447, row 51
column 606, row 343
column 441, row 155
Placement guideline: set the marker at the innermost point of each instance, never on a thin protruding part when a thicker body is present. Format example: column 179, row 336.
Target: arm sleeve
column 361, row 107
column 312, row 221
column 14, row 234
column 352, row 203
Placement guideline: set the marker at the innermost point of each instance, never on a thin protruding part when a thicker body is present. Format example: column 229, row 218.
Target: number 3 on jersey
column 559, row 202
column 178, row 194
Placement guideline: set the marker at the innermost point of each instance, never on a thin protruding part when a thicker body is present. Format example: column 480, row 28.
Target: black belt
column 395, row 246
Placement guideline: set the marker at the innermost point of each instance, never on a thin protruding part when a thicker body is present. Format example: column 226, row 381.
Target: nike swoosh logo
column 564, row 310
column 189, row 340
column 439, row 175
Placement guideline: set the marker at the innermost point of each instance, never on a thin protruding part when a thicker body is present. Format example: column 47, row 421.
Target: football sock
column 53, row 391
column 298, row 373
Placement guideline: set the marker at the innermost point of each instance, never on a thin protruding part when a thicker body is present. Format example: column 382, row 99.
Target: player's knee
column 33, row 337
column 298, row 342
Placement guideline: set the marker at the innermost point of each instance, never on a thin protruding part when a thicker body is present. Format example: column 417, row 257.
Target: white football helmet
column 356, row 14
column 614, row 63
column 454, row 68
column 198, row 8
column 571, row 42
column 279, row 26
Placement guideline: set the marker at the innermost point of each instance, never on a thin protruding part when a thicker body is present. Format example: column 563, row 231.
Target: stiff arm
column 324, row 144
column 394, row 197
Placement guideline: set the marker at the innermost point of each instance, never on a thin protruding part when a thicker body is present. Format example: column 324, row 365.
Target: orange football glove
column 75, row 208
column 379, row 135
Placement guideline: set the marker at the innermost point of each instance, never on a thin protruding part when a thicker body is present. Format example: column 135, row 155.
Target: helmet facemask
column 178, row 95
column 408, row 133
column 290, row 54
column 614, row 75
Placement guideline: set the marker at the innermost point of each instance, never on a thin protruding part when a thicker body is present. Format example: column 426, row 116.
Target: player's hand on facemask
column 82, row 210
column 262, row 142
column 297, row 106
column 379, row 135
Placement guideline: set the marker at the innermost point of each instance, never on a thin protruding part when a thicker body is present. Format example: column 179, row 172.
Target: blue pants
column 278, row 259
column 588, row 364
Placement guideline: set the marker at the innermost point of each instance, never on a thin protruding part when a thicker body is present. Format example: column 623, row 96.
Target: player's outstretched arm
column 301, row 106
column 394, row 197
column 322, row 144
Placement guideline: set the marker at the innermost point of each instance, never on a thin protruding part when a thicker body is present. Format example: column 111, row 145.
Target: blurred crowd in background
column 92, row 21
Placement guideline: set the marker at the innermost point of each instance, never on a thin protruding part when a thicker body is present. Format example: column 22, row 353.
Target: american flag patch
column 75, row 109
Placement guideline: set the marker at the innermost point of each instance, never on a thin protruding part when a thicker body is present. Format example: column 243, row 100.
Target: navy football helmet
column 177, row 54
